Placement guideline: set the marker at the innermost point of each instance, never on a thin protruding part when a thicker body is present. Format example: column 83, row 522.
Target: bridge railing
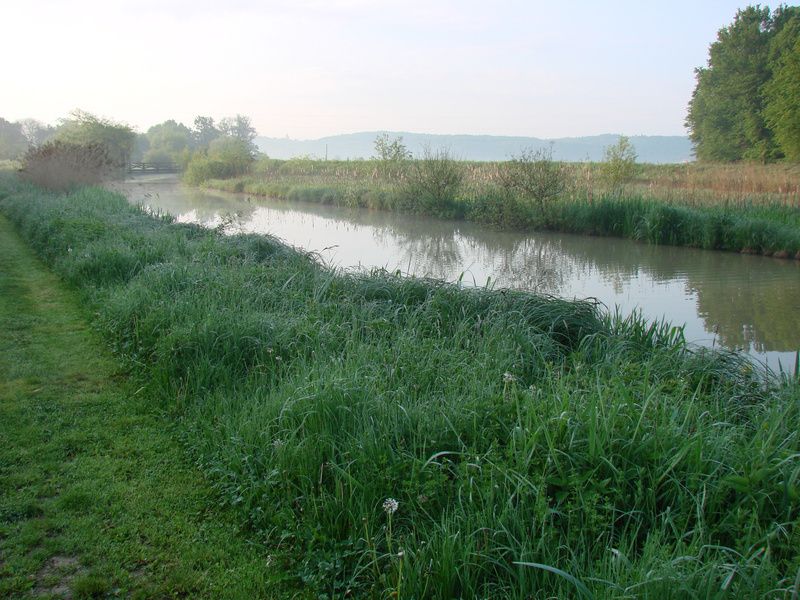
column 153, row 167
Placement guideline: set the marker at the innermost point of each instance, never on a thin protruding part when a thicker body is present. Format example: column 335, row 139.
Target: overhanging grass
column 511, row 428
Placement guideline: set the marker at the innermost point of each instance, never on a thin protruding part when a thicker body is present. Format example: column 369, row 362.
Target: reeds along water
column 511, row 429
column 756, row 223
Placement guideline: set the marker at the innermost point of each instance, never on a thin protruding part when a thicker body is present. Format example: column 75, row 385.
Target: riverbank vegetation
column 97, row 497
column 742, row 208
column 85, row 149
column 397, row 437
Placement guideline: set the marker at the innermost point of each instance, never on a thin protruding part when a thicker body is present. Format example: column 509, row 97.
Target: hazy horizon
column 394, row 132
column 309, row 69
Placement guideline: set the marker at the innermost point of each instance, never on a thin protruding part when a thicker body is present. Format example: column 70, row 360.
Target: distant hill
column 650, row 148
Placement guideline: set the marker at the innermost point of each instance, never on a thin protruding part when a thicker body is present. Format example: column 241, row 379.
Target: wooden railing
column 153, row 167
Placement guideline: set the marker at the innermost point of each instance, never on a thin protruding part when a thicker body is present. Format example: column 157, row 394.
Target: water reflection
column 746, row 302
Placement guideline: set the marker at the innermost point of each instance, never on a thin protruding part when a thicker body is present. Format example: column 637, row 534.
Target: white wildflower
column 508, row 377
column 390, row 506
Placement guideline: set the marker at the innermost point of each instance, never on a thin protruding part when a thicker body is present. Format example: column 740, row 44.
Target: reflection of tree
column 169, row 196
column 750, row 302
column 759, row 310
column 432, row 252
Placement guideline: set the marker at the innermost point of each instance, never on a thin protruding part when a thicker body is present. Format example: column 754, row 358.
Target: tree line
column 169, row 141
column 746, row 104
column 85, row 148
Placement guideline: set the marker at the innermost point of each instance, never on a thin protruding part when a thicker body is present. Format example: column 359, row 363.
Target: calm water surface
column 724, row 299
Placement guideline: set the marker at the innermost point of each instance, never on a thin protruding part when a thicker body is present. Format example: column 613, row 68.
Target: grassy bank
column 747, row 208
column 404, row 438
column 96, row 497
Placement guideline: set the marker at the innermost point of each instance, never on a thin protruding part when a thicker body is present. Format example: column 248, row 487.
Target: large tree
column 167, row 141
column 205, row 131
column 241, row 128
column 728, row 117
column 782, row 91
column 725, row 113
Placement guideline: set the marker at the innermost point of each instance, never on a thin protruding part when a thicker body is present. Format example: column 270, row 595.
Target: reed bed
column 406, row 438
column 744, row 208
column 705, row 184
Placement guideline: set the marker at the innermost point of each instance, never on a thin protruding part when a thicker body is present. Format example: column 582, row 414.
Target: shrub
column 61, row 165
column 226, row 157
column 619, row 166
column 434, row 182
column 392, row 156
column 534, row 176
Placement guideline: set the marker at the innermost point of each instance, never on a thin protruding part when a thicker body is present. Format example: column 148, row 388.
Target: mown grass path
column 96, row 496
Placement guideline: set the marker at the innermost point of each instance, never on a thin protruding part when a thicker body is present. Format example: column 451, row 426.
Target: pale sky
column 309, row 68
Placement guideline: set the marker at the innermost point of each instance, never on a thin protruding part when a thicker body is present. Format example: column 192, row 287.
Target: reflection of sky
column 702, row 290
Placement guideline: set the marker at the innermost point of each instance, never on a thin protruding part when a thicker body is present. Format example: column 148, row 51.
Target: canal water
column 722, row 299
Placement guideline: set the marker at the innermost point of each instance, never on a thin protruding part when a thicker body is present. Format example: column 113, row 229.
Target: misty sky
column 309, row 68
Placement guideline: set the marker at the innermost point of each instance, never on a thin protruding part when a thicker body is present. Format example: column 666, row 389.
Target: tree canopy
column 85, row 129
column 240, row 128
column 167, row 141
column 782, row 91
column 745, row 103
column 12, row 140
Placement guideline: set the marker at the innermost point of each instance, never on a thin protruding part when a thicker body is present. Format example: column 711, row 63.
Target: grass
column 744, row 208
column 97, row 498
column 535, row 447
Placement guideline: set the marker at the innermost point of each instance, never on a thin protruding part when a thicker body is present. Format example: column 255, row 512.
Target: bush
column 60, row 165
column 434, row 183
column 620, row 163
column 392, row 156
column 226, row 157
column 534, row 176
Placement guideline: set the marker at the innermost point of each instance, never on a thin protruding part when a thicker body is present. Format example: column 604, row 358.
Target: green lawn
column 96, row 496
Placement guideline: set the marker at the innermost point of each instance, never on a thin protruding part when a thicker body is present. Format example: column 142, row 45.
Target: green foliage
column 534, row 177
column 391, row 150
column 772, row 228
column 536, row 447
column 83, row 449
column 167, row 142
column 392, row 155
column 240, row 128
column 434, row 182
column 205, row 131
column 619, row 166
column 12, row 140
column 782, row 91
column 85, row 129
column 729, row 111
column 226, row 157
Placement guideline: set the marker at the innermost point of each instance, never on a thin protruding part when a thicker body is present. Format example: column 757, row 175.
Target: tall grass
column 535, row 447
column 742, row 209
